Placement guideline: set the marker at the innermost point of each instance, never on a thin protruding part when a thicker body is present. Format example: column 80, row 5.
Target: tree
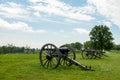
column 116, row 47
column 27, row 49
column 76, row 46
column 10, row 48
column 101, row 37
column 88, row 44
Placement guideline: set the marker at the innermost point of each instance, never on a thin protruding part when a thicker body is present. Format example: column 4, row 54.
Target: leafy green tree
column 76, row 46
column 101, row 37
column 88, row 44
column 116, row 47
column 0, row 50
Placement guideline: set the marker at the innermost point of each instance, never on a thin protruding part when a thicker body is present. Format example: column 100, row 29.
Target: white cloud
column 21, row 26
column 44, row 9
column 55, row 7
column 81, row 31
column 108, row 8
column 37, row 14
column 13, row 10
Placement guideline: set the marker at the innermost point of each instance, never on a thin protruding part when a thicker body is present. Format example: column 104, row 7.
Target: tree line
column 10, row 48
column 100, row 39
column 116, row 47
column 77, row 46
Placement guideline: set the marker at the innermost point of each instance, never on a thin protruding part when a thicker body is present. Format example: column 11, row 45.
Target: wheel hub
column 48, row 57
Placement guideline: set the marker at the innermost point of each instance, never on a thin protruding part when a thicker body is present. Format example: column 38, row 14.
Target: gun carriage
column 92, row 53
column 51, row 57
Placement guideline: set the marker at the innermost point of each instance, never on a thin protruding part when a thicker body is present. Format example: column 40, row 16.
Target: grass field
column 27, row 67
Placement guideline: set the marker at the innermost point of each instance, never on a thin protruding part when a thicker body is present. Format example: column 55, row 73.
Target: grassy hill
column 27, row 67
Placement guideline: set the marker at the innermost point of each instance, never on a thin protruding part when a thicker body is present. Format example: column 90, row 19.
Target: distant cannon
column 87, row 53
column 51, row 57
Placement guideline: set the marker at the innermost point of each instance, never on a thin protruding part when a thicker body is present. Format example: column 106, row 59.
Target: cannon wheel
column 98, row 54
column 71, row 54
column 49, row 57
column 87, row 54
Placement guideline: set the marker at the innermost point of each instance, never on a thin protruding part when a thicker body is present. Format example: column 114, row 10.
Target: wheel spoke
column 64, row 63
column 61, row 61
column 45, row 63
column 50, row 49
column 50, row 64
column 44, row 60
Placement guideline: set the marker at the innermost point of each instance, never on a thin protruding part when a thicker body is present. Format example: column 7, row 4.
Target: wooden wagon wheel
column 49, row 57
column 87, row 54
column 98, row 54
column 70, row 54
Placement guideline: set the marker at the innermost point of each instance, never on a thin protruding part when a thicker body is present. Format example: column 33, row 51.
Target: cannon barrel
column 64, row 50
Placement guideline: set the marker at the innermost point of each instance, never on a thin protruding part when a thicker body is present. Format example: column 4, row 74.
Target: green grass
column 27, row 67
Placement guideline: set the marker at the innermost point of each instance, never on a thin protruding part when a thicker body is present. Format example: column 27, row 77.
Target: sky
column 37, row 22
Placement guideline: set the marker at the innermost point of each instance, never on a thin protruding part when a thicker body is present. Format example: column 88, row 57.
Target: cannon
column 51, row 57
column 87, row 53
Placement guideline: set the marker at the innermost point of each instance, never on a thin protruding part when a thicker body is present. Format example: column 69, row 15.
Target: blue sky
column 37, row 22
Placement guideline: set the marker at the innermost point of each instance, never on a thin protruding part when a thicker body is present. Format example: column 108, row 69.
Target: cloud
column 13, row 10
column 37, row 14
column 108, row 8
column 20, row 26
column 55, row 7
column 81, row 31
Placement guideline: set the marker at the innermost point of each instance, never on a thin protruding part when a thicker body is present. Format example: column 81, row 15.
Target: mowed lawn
column 27, row 67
